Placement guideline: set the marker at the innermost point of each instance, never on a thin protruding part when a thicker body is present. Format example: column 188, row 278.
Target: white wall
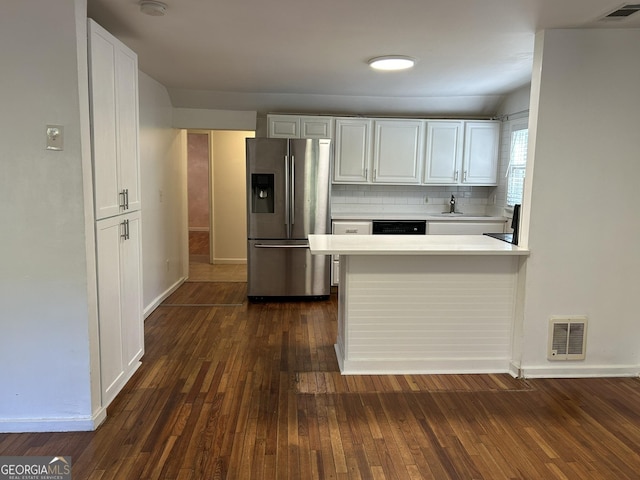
column 583, row 173
column 459, row 106
column 163, row 178
column 229, row 180
column 210, row 119
column 516, row 102
column 47, row 314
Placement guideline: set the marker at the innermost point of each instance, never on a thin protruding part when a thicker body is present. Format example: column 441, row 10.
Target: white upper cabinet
column 462, row 152
column 481, row 141
column 401, row 151
column 398, row 151
column 283, row 126
column 443, row 152
column 114, row 123
column 316, row 127
column 393, row 156
column 352, row 150
column 295, row 126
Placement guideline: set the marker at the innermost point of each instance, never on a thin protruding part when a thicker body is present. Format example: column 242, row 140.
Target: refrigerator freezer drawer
column 285, row 268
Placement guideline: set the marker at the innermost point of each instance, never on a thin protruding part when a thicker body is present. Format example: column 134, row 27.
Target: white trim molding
column 162, row 297
column 58, row 424
column 580, row 371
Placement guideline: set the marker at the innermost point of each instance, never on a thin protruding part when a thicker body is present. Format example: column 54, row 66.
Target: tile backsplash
column 387, row 198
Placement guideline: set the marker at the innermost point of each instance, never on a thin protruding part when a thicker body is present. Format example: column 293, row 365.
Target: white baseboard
column 63, row 424
column 421, row 367
column 162, row 297
column 579, row 371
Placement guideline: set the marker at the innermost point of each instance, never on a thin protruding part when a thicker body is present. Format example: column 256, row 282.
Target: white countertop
column 411, row 245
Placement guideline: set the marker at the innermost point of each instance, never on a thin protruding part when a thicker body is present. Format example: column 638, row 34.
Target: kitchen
column 582, row 191
column 392, row 165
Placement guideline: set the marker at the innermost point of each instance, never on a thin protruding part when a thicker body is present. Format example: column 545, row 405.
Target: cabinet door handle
column 456, row 176
column 126, row 199
column 125, row 230
column 351, row 230
column 123, row 199
column 464, row 176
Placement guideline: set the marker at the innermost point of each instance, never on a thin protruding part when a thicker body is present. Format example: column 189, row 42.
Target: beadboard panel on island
column 412, row 314
column 424, row 304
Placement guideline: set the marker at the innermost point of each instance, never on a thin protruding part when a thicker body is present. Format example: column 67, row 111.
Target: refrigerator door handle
column 270, row 245
column 292, row 212
column 287, row 195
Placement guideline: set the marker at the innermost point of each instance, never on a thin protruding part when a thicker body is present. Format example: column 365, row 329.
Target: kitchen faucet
column 452, row 204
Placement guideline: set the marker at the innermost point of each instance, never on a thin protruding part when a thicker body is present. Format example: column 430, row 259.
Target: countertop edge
column 413, row 245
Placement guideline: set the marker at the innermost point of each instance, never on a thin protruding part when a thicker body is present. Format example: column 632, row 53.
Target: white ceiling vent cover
column 567, row 338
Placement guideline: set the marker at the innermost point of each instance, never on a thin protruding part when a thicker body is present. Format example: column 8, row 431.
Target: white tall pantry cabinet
column 113, row 82
column 114, row 107
column 119, row 301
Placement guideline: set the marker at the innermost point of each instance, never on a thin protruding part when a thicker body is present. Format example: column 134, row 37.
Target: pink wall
column 198, row 179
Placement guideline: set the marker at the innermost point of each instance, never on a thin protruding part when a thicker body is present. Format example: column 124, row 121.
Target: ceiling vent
column 567, row 338
column 622, row 13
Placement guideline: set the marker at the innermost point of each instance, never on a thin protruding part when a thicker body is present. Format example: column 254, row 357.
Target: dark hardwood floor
column 230, row 390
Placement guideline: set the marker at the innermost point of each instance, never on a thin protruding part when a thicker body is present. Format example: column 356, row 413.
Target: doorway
column 199, row 197
column 216, row 190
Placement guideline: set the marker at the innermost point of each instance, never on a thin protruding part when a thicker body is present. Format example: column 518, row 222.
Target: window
column 517, row 164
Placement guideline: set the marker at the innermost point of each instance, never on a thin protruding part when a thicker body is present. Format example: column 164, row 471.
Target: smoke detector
column 153, row 8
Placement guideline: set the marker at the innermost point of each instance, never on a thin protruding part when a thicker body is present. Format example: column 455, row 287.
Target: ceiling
column 308, row 56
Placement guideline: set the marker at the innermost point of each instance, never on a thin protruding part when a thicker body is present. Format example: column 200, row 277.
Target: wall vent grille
column 567, row 338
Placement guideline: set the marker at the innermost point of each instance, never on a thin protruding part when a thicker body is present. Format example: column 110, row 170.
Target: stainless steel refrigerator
column 288, row 190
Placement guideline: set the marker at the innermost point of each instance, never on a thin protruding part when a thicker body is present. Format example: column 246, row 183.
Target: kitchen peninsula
column 424, row 303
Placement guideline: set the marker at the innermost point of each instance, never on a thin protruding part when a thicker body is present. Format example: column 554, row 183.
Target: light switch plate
column 55, row 137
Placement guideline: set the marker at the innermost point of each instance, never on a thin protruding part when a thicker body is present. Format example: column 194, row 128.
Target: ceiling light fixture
column 153, row 8
column 392, row 62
